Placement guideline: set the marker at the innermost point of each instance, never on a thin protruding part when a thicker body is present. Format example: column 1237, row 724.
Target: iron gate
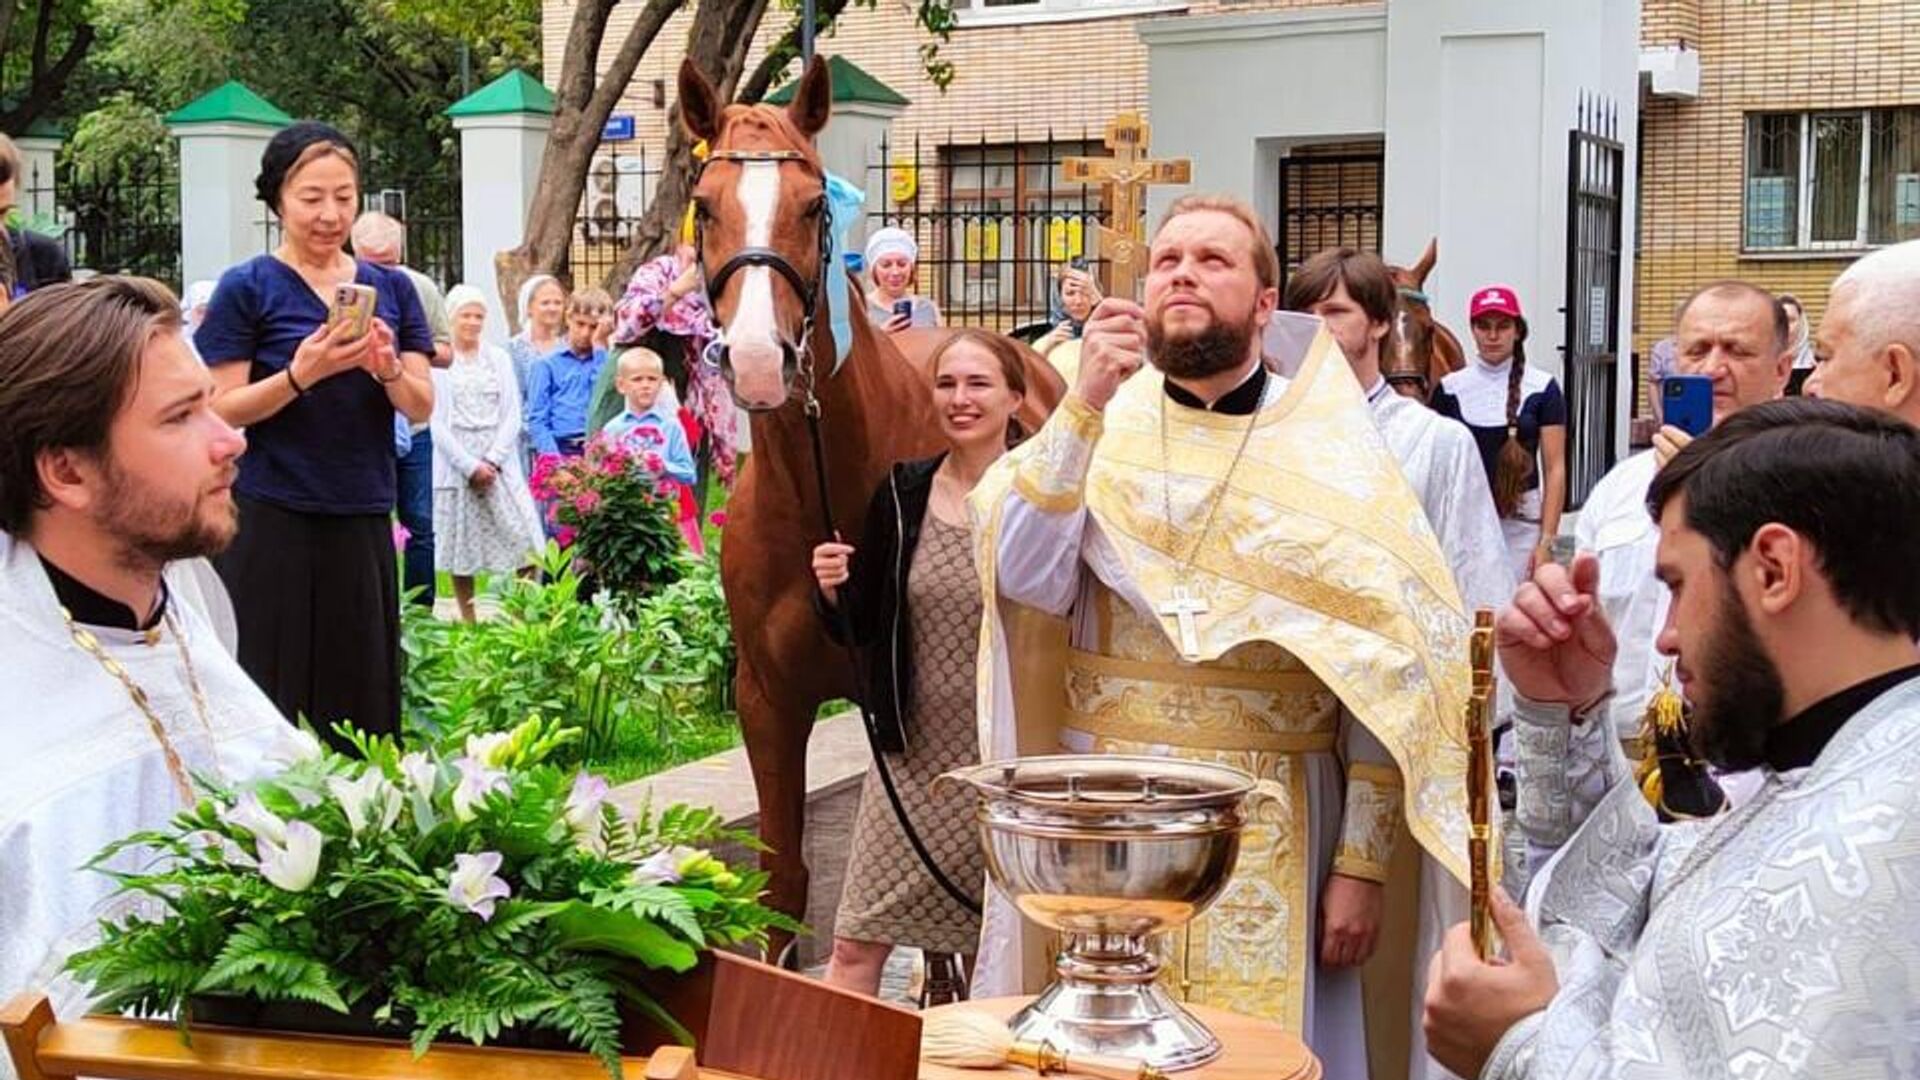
column 1596, row 178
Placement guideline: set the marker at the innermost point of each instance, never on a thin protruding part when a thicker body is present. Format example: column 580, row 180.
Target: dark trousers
column 415, row 475
column 318, row 612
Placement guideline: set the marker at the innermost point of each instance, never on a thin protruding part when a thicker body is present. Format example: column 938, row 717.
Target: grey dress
column 889, row 896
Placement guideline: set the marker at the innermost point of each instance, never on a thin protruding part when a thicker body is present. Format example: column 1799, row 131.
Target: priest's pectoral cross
column 1182, row 606
column 1123, row 179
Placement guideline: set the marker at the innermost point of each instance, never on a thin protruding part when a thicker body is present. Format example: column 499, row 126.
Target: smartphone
column 1686, row 402
column 353, row 305
column 903, row 309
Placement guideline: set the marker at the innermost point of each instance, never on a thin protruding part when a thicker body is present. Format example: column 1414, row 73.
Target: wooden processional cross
column 1123, row 179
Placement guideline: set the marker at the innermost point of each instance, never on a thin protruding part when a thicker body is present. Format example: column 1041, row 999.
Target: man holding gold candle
column 1776, row 939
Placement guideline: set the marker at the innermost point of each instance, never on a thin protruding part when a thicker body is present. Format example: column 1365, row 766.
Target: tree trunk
column 721, row 37
column 582, row 104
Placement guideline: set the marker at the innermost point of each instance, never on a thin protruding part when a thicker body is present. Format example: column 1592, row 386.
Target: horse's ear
column 813, row 100
column 699, row 105
column 1421, row 269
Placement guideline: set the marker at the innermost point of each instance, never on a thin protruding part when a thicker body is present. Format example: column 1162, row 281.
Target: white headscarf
column 891, row 240
column 527, row 289
column 462, row 295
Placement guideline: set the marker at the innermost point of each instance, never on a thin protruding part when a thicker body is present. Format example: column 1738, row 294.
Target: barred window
column 1832, row 179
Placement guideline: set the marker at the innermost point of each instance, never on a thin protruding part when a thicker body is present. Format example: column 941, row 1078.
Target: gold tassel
column 1665, row 715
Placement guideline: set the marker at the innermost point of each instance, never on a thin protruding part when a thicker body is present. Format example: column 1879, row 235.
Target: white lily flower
column 474, row 886
column 292, row 866
column 422, row 773
column 294, row 746
column 369, row 801
column 584, row 802
column 476, row 783
column 250, row 814
column 490, row 748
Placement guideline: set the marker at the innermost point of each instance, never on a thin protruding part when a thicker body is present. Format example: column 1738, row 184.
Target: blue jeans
column 415, row 475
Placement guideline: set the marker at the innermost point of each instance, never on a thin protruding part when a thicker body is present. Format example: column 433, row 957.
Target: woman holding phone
column 312, row 571
column 892, row 258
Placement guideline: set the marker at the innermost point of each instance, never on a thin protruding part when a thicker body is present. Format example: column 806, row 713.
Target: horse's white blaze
column 1402, row 341
column 752, row 335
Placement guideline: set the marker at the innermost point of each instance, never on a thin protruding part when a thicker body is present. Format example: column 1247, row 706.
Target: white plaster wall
column 499, row 167
column 219, row 217
column 1233, row 91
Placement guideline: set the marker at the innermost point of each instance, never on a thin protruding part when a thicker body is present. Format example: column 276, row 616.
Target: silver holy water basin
column 1108, row 850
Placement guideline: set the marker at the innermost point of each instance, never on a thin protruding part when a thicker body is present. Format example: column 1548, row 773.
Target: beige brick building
column 1798, row 148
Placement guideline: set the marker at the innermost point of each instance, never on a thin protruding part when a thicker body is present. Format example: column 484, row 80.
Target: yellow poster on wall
column 903, row 181
column 981, row 242
column 1066, row 238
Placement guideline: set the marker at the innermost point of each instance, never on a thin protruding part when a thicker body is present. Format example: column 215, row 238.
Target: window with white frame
column 1833, row 179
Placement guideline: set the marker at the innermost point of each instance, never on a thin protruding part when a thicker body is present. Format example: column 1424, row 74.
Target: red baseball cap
column 1494, row 299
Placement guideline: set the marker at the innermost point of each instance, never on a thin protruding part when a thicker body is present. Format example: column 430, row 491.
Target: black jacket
column 38, row 261
column 874, row 599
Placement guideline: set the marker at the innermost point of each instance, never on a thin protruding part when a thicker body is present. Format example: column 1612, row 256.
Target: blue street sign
column 619, row 128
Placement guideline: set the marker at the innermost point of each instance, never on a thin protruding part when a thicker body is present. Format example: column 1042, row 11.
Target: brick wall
column 1011, row 81
column 1754, row 55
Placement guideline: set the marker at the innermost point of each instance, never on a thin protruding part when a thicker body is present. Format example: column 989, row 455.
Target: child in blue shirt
column 644, row 424
column 560, row 384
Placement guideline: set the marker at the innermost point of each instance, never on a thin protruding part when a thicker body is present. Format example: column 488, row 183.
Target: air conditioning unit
column 614, row 199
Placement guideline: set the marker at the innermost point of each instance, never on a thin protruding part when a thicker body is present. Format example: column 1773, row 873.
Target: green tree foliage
column 381, row 70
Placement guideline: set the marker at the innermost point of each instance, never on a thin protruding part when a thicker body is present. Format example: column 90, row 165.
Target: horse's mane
column 763, row 127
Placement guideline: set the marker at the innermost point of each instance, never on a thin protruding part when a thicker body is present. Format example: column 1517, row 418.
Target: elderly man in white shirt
column 1736, row 334
column 1869, row 343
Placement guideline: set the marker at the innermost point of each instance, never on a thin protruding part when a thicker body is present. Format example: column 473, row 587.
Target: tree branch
column 48, row 85
column 785, row 51
column 42, row 27
column 8, row 9
column 613, row 81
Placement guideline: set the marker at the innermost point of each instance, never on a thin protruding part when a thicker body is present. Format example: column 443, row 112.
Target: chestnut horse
column 1419, row 352
column 760, row 208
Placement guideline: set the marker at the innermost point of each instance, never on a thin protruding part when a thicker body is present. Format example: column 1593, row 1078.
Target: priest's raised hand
column 1113, row 347
column 1554, row 641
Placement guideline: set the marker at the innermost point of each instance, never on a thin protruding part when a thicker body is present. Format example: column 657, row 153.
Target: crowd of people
column 1263, row 557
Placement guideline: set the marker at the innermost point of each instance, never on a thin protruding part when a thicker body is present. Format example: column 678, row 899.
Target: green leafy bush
column 647, row 681
column 429, row 893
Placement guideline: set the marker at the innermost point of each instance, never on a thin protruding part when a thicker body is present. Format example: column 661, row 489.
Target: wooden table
column 1254, row 1049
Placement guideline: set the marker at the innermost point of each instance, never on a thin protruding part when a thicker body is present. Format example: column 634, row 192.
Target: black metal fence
column 116, row 219
column 1596, row 179
column 994, row 221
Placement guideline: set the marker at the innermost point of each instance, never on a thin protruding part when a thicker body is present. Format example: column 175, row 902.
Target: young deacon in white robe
column 1248, row 580
column 119, row 689
column 1776, row 940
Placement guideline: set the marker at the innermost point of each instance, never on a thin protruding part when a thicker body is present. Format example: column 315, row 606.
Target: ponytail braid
column 1514, row 469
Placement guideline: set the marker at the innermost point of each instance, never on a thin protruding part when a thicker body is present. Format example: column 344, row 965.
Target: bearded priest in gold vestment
column 1246, row 578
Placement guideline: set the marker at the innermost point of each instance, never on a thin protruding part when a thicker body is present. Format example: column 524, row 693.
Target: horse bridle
column 810, row 293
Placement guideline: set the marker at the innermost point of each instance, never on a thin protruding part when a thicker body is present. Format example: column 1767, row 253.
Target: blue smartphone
column 1686, row 402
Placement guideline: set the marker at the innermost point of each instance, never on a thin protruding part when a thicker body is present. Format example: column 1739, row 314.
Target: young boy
column 560, row 385
column 643, row 426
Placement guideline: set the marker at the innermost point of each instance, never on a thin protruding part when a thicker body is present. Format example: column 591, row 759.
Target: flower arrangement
column 470, row 894
column 615, row 508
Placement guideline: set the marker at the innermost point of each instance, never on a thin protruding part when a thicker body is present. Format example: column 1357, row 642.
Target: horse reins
column 811, row 294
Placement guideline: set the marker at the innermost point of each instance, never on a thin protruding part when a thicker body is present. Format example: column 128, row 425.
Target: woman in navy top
column 312, row 568
column 1518, row 416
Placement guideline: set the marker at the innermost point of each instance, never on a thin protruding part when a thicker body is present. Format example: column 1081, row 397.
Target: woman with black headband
column 312, row 569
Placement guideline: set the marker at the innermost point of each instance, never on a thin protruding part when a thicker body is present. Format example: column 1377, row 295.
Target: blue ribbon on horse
column 845, row 204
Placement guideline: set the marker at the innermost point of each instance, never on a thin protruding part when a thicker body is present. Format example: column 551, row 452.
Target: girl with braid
column 1518, row 417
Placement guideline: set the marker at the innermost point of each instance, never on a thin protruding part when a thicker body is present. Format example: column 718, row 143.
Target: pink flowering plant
column 614, row 507
column 477, row 891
